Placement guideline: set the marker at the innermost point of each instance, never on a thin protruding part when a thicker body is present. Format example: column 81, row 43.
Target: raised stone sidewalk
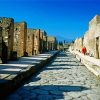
column 91, row 63
column 14, row 73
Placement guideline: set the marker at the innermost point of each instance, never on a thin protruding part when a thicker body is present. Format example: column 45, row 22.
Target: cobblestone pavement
column 65, row 78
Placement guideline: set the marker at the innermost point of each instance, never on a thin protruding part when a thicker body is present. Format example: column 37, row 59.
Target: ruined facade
column 44, row 41
column 91, row 39
column 17, row 41
column 36, row 41
column 51, row 43
column 41, row 41
column 7, row 25
column 86, row 41
column 30, row 42
column 20, row 38
column 78, row 44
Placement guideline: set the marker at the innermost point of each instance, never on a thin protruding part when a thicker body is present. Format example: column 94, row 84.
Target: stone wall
column 91, row 38
column 7, row 25
column 41, row 41
column 30, row 42
column 20, row 38
column 44, row 41
column 51, row 43
column 17, row 41
column 80, row 44
column 92, row 35
column 76, row 45
column 36, row 41
column 97, row 38
column 86, row 41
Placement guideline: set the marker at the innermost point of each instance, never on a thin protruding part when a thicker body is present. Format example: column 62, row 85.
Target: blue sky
column 65, row 19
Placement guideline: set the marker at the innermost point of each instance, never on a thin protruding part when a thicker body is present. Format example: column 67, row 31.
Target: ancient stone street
column 65, row 78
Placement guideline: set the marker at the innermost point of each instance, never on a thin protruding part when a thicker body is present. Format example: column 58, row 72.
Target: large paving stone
column 75, row 94
column 84, row 98
column 94, row 96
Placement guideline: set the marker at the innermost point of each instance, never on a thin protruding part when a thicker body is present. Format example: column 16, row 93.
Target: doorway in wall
column 97, row 48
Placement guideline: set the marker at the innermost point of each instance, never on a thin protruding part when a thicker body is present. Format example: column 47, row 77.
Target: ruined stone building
column 44, row 41
column 36, row 41
column 97, row 37
column 20, row 38
column 41, row 41
column 85, row 41
column 78, row 44
column 7, row 25
column 66, row 46
column 17, row 41
column 91, row 39
column 30, row 42
column 51, row 43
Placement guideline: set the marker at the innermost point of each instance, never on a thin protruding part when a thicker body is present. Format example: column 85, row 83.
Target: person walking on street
column 84, row 50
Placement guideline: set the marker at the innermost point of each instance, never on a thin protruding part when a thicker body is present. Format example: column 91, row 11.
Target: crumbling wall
column 36, row 41
column 51, row 43
column 7, row 25
column 20, row 38
column 30, row 42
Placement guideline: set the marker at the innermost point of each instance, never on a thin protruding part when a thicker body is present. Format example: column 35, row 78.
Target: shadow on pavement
column 46, row 92
column 37, row 91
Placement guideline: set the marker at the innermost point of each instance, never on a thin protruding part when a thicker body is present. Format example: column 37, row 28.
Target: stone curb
column 12, row 82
